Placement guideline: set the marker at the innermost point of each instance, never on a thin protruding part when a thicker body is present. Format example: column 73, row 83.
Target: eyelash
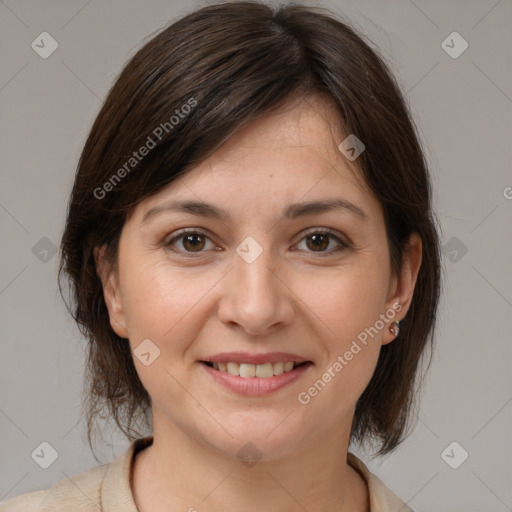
column 314, row 231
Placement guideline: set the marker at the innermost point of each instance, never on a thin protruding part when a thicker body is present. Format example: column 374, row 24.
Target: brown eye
column 193, row 242
column 189, row 242
column 318, row 241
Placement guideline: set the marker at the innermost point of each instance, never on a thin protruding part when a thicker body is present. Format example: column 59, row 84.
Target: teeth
column 233, row 368
column 246, row 370
column 278, row 368
column 264, row 370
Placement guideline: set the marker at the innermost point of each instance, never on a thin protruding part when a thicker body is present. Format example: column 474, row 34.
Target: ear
column 111, row 292
column 402, row 286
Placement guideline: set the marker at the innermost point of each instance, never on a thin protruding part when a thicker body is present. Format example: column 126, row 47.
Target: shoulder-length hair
column 182, row 95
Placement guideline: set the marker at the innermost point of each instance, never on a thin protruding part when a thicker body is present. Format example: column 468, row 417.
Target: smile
column 255, row 375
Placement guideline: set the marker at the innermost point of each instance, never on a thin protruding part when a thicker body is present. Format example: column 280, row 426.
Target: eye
column 191, row 241
column 319, row 240
column 316, row 240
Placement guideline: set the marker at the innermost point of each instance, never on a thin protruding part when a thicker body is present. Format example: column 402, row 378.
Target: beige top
column 107, row 488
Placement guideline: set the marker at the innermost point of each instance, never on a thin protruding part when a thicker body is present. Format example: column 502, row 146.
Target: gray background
column 463, row 110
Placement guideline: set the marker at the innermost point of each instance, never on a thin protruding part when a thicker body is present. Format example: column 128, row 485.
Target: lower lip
column 255, row 386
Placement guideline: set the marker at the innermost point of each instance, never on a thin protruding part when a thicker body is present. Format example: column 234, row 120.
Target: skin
column 295, row 297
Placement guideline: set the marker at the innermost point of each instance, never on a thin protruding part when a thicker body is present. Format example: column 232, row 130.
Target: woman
column 254, row 261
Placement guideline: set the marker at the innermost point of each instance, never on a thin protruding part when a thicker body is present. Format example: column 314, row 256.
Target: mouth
column 255, row 375
column 250, row 370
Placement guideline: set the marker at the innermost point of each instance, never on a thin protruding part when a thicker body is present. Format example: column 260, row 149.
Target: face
column 220, row 301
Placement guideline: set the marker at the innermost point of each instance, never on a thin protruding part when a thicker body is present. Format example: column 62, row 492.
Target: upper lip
column 246, row 357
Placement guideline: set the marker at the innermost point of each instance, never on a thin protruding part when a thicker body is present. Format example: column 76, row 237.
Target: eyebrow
column 292, row 211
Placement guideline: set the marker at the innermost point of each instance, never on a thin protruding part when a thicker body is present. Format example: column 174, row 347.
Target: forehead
column 283, row 157
column 301, row 128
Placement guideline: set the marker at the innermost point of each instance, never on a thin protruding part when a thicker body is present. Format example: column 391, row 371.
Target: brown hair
column 231, row 63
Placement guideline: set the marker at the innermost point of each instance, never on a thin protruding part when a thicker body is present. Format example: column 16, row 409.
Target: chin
column 263, row 435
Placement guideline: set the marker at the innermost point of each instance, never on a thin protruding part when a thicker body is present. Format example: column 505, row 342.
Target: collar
column 381, row 497
column 116, row 491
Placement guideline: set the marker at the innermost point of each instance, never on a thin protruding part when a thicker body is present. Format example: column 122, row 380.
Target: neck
column 178, row 472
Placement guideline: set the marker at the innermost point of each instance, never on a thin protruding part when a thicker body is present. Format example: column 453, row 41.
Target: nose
column 256, row 296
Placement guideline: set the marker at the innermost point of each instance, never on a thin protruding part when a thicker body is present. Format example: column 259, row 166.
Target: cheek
column 163, row 303
column 346, row 301
column 346, row 309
